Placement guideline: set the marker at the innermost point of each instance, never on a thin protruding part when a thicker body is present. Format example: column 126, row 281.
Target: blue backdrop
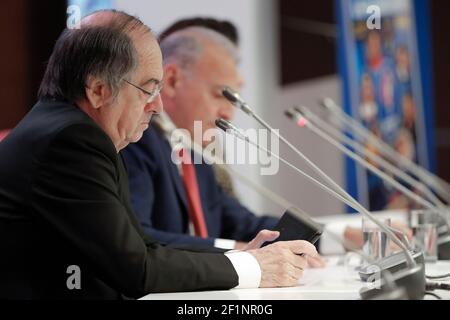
column 387, row 85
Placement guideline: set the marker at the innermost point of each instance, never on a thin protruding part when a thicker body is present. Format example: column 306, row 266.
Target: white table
column 335, row 282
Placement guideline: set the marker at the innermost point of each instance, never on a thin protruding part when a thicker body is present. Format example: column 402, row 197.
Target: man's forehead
column 150, row 58
column 219, row 58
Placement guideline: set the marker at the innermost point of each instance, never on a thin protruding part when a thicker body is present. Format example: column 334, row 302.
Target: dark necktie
column 193, row 195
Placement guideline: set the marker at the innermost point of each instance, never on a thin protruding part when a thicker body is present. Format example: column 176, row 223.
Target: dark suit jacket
column 64, row 201
column 159, row 199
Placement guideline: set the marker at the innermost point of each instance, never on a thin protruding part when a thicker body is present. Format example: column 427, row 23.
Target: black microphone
column 223, row 124
column 228, row 126
column 235, row 99
column 412, row 279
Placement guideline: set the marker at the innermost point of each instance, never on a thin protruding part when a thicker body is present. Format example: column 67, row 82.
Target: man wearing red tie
column 64, row 196
column 183, row 203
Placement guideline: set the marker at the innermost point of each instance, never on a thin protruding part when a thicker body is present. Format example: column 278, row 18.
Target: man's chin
column 135, row 138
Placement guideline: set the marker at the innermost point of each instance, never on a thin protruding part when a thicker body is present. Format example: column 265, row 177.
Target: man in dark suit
column 67, row 229
column 198, row 63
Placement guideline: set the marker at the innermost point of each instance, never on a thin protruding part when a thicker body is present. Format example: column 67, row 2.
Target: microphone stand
column 237, row 101
column 390, row 289
column 358, row 147
column 444, row 242
column 439, row 185
column 300, row 117
column 413, row 278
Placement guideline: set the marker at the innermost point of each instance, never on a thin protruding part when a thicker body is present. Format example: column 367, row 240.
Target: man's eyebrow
column 152, row 80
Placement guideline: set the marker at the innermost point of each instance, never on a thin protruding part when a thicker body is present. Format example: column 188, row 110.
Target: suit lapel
column 173, row 169
column 178, row 182
column 124, row 192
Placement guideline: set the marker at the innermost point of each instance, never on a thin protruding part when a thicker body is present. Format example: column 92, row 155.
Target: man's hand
column 268, row 236
column 240, row 245
column 396, row 225
column 355, row 235
column 282, row 263
column 316, row 262
column 258, row 241
column 403, row 228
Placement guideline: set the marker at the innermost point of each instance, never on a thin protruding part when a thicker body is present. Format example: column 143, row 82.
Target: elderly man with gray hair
column 67, row 230
column 198, row 63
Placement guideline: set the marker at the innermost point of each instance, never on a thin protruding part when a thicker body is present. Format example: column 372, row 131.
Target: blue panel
column 395, row 89
column 343, row 51
column 423, row 25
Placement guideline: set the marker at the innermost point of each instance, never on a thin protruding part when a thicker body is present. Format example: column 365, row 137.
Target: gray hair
column 185, row 47
column 100, row 49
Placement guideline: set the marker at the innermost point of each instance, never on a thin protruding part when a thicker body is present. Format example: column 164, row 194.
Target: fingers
column 295, row 274
column 302, row 247
column 282, row 263
column 261, row 237
column 297, row 261
column 317, row 262
column 403, row 228
column 289, row 274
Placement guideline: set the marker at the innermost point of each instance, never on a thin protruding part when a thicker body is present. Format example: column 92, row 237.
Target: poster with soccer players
column 383, row 89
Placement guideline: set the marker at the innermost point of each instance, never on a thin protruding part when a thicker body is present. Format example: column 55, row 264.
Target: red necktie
column 193, row 195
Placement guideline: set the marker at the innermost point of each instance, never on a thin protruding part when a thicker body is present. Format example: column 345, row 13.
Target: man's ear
column 98, row 92
column 172, row 80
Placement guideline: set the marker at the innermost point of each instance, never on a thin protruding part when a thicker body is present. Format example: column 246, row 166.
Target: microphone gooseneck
column 308, row 124
column 440, row 186
column 343, row 194
column 414, row 272
column 362, row 150
column 302, row 116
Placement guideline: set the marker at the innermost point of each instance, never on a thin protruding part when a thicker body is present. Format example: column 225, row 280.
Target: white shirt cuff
column 247, row 269
column 328, row 245
column 224, row 244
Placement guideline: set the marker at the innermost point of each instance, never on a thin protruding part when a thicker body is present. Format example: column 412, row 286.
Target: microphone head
column 300, row 111
column 231, row 95
column 223, row 124
column 296, row 115
column 290, row 113
column 235, row 99
column 328, row 103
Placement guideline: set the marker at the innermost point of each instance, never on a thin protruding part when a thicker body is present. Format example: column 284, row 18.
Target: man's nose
column 155, row 106
column 227, row 111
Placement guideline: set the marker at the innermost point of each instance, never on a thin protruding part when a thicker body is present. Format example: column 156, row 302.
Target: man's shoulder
column 47, row 118
column 52, row 123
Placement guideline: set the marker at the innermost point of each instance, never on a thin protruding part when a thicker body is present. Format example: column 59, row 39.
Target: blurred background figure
column 200, row 59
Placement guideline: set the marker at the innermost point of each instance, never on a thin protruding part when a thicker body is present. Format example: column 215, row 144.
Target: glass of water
column 424, row 225
column 376, row 242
